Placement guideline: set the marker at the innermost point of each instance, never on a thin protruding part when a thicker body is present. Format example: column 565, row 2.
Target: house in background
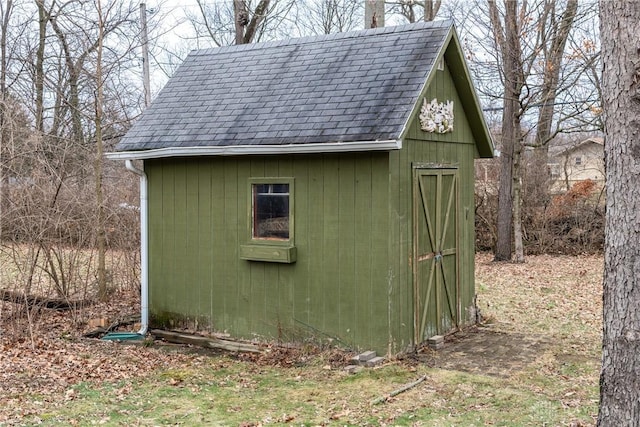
column 580, row 162
column 315, row 188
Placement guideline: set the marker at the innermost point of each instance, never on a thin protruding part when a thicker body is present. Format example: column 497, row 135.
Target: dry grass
column 558, row 296
column 556, row 300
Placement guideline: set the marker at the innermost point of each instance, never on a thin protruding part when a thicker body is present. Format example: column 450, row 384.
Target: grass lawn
column 552, row 305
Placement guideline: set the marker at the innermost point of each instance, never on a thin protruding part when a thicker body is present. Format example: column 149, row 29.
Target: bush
column 569, row 223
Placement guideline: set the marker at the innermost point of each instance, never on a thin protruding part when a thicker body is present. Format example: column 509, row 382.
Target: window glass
column 271, row 211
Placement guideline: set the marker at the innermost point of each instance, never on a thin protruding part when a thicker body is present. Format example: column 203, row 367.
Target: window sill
column 268, row 253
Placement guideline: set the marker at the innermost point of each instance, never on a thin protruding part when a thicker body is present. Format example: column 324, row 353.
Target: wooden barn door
column 435, row 252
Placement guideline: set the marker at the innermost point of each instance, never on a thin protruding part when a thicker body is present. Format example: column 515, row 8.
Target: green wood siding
column 442, row 89
column 455, row 149
column 352, row 277
column 401, row 234
column 337, row 288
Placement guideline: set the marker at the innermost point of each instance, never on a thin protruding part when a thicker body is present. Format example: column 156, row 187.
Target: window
column 270, row 228
column 270, row 211
column 578, row 161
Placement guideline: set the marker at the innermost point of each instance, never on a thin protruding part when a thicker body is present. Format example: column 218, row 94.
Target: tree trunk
column 4, row 99
column 505, row 199
column 39, row 71
column 240, row 19
column 74, row 69
column 619, row 379
column 374, row 14
column 553, row 64
column 554, row 55
column 431, row 8
column 517, row 200
column 37, row 301
column 508, row 43
column 260, row 12
column 100, row 226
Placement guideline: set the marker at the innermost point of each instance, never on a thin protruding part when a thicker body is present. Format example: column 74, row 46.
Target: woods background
column 71, row 84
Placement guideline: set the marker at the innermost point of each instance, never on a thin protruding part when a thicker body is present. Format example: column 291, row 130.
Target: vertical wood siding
column 456, row 149
column 199, row 215
column 352, row 282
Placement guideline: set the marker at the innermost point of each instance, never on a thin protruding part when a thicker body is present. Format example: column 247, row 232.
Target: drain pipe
column 144, row 246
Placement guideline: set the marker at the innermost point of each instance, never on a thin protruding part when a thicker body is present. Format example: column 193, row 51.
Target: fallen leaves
column 560, row 295
column 46, row 371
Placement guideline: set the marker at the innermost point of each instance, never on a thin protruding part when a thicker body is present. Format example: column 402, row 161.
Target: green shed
column 318, row 188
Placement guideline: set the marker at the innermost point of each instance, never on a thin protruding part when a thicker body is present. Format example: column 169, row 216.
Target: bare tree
column 75, row 85
column 530, row 52
column 328, row 16
column 508, row 41
column 410, row 9
column 98, row 167
column 241, row 21
column 5, row 14
column 39, row 65
column 619, row 379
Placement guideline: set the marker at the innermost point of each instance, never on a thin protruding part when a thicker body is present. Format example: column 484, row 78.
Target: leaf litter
column 559, row 297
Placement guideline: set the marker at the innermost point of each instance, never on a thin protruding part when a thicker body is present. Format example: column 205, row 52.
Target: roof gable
column 452, row 82
column 587, row 144
column 346, row 88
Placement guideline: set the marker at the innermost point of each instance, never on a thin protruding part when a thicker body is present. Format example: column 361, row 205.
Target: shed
column 318, row 188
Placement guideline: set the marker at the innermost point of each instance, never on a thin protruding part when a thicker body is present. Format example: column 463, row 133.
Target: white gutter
column 236, row 150
column 144, row 246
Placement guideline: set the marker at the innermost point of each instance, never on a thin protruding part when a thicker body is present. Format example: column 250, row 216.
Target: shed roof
column 344, row 91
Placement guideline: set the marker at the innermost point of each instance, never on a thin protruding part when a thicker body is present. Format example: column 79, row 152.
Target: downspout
column 144, row 246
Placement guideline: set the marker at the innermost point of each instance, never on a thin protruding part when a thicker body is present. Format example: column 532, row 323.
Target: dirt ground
column 483, row 350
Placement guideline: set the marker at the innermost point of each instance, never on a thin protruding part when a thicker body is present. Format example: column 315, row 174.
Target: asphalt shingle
column 348, row 87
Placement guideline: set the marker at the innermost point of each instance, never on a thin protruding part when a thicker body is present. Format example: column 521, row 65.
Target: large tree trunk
column 620, row 378
column 504, row 225
column 509, row 45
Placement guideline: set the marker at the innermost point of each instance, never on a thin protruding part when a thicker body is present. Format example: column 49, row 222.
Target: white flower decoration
column 436, row 117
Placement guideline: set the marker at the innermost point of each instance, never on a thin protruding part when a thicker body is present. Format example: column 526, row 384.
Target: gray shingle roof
column 347, row 87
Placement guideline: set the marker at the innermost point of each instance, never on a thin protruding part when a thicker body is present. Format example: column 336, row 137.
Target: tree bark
column 553, row 56
column 240, row 19
column 4, row 99
column 431, row 8
column 518, row 246
column 374, row 14
column 39, row 71
column 620, row 375
column 509, row 45
column 100, row 225
column 260, row 12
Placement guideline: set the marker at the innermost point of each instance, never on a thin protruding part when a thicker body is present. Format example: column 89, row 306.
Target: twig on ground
column 398, row 391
